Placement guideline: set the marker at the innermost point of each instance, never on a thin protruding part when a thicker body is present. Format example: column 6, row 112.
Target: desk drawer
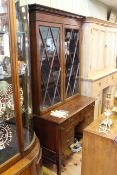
column 100, row 84
column 105, row 82
column 112, row 79
column 87, row 112
column 75, row 120
column 71, row 122
column 67, row 133
column 97, row 86
column 65, row 125
column 87, row 116
column 67, row 138
column 66, row 151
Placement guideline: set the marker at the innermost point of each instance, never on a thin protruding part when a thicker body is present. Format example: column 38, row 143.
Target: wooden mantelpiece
column 57, row 134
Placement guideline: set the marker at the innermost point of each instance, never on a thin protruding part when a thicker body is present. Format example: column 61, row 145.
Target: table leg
column 59, row 167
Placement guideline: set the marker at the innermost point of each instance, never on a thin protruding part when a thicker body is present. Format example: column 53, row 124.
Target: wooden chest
column 99, row 155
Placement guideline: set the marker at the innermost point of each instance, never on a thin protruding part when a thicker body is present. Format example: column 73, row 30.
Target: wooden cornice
column 41, row 8
column 99, row 21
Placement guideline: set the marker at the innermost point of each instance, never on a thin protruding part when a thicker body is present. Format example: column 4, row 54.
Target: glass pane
column 50, row 65
column 24, row 71
column 8, row 135
column 72, row 61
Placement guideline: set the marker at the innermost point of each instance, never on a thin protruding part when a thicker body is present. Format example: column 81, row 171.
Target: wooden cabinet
column 99, row 154
column 57, row 134
column 98, row 59
column 17, row 137
column 55, row 37
column 99, row 47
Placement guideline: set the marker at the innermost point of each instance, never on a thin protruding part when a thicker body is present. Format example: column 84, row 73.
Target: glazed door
column 24, row 72
column 16, row 131
column 50, row 64
column 71, row 56
column 8, row 135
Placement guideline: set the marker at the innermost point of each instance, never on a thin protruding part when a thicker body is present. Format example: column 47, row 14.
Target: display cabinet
column 16, row 132
column 55, row 37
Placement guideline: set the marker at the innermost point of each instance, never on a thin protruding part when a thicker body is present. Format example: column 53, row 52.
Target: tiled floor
column 71, row 166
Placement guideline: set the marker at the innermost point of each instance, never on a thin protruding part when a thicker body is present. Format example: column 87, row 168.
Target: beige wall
column 82, row 7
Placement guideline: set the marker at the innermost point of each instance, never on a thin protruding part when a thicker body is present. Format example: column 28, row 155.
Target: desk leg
column 59, row 167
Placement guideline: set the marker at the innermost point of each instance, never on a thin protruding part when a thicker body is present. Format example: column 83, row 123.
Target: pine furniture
column 99, row 154
column 98, row 64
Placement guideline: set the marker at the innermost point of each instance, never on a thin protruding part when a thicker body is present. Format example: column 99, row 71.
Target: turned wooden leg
column 59, row 167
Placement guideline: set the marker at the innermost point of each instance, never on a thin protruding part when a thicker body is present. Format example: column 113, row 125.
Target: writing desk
column 57, row 134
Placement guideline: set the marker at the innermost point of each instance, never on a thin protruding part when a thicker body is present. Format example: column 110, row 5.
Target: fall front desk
column 99, row 149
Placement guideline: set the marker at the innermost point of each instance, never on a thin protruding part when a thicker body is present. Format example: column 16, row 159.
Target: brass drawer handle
column 67, row 141
column 99, row 83
column 67, row 130
column 71, row 120
column 62, row 129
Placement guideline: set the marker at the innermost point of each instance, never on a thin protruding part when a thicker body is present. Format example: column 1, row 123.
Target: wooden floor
column 71, row 166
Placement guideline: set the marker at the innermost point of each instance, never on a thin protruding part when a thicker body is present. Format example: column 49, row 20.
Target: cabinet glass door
column 71, row 45
column 8, row 135
column 24, row 71
column 50, row 65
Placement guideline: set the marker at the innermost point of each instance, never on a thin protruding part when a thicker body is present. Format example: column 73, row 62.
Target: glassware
column 105, row 125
